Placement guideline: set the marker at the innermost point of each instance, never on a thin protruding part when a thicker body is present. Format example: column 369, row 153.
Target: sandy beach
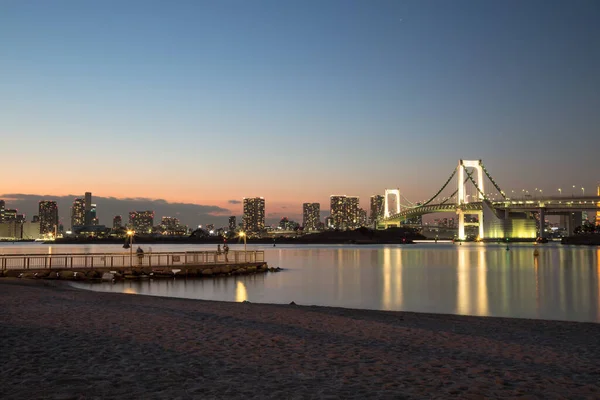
column 57, row 342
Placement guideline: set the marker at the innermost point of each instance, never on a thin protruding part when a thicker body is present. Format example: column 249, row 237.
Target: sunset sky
column 207, row 102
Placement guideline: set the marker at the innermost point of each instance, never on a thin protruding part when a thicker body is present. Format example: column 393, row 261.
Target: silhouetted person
column 140, row 255
column 225, row 250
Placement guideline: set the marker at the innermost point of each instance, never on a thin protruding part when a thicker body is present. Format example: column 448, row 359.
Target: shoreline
column 64, row 342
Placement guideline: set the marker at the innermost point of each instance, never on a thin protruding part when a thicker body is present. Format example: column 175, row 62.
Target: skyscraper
column 2, row 207
column 352, row 208
column 93, row 217
column 117, row 222
column 345, row 212
column 311, row 216
column 77, row 213
column 88, row 209
column 232, row 223
column 377, row 208
column 141, row 221
column 337, row 211
column 48, row 213
column 254, row 214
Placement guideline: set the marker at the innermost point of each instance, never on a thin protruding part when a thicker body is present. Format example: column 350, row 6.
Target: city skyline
column 295, row 102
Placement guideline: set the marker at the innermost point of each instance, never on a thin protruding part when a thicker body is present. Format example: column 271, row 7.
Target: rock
column 225, row 269
column 207, row 271
column 41, row 274
column 66, row 274
column 12, row 273
column 251, row 269
column 292, row 304
column 216, row 270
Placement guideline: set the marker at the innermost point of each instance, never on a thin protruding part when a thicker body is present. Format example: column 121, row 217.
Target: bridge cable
column 440, row 191
column 436, row 195
column 492, row 180
column 470, row 177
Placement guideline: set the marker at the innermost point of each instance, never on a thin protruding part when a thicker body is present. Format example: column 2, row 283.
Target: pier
column 132, row 265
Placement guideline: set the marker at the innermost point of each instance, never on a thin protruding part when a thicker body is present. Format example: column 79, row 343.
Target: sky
column 208, row 102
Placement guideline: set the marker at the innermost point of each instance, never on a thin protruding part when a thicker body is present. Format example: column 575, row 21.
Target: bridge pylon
column 463, row 199
column 393, row 192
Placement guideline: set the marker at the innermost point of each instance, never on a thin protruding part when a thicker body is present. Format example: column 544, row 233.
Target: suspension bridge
column 495, row 219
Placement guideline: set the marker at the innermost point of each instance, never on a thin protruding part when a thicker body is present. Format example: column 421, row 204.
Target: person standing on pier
column 226, row 250
column 140, row 255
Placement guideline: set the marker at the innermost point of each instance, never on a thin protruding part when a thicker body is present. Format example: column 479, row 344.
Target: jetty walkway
column 130, row 264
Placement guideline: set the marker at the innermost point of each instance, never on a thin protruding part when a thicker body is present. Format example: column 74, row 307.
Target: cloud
column 234, row 202
column 108, row 207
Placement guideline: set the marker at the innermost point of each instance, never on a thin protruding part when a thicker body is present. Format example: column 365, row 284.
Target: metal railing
column 127, row 260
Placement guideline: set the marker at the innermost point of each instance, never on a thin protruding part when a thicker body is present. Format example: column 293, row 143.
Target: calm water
column 472, row 279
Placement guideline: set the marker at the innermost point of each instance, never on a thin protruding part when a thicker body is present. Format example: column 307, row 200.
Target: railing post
column 27, row 258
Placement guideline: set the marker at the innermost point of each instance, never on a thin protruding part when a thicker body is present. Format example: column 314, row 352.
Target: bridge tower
column 463, row 199
column 393, row 192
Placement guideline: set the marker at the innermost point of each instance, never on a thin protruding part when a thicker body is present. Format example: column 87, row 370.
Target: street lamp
column 242, row 234
column 583, row 192
column 130, row 234
column 559, row 191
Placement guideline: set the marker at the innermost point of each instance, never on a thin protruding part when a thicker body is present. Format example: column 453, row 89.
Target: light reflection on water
column 473, row 279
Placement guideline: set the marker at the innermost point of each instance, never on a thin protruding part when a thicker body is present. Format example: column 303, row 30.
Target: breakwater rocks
column 141, row 272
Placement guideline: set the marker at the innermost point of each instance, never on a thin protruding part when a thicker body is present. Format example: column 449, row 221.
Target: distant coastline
column 358, row 236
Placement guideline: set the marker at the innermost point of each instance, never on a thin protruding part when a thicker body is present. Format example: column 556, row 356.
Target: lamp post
column 583, row 192
column 243, row 235
column 130, row 234
column 559, row 191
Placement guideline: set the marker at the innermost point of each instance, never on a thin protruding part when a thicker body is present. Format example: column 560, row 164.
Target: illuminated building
column 232, row 223
column 345, row 212
column 376, row 208
column 311, row 216
column 141, row 221
column 88, row 209
column 362, row 217
column 2, row 207
column 329, row 223
column 21, row 218
column 337, row 211
column 93, row 217
column 117, row 222
column 48, row 213
column 254, row 214
column 10, row 215
column 36, row 218
column 352, row 212
column 77, row 213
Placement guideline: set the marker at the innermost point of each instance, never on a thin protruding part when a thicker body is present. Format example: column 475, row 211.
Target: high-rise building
column 232, row 223
column 345, row 212
column 36, row 218
column 117, row 222
column 376, row 208
column 254, row 214
column 141, row 221
column 2, row 207
column 93, row 217
column 352, row 212
column 88, row 209
column 77, row 213
column 48, row 213
column 337, row 211
column 362, row 218
column 311, row 216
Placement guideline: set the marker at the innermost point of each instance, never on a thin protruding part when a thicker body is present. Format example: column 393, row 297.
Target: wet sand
column 57, row 342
